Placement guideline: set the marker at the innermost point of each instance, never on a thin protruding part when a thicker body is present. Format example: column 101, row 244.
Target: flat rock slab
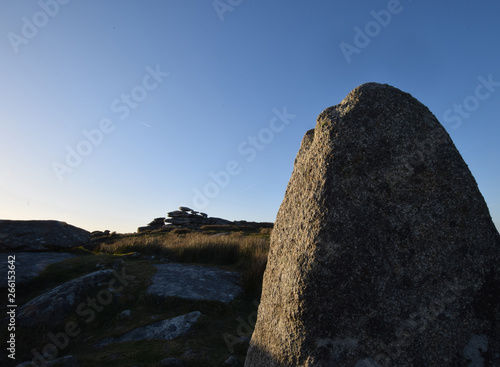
column 29, row 264
column 162, row 330
column 195, row 283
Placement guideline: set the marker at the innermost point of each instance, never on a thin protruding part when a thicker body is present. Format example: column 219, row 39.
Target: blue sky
column 116, row 112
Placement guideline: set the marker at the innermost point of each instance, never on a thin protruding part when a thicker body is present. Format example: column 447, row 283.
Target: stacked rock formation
column 157, row 223
column 186, row 217
column 383, row 252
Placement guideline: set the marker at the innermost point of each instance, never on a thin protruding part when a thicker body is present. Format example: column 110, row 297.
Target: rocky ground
column 86, row 307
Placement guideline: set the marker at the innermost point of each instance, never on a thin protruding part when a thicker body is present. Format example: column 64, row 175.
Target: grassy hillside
column 222, row 331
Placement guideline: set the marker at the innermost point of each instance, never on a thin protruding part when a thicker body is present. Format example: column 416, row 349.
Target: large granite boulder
column 383, row 251
column 40, row 235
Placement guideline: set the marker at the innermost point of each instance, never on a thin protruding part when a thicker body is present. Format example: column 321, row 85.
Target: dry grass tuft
column 266, row 231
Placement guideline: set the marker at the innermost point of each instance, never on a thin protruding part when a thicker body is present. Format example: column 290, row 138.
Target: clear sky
column 115, row 112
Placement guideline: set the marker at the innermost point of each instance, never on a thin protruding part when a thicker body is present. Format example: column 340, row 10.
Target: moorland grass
column 246, row 253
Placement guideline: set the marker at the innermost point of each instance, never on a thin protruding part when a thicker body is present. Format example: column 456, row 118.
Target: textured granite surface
column 383, row 251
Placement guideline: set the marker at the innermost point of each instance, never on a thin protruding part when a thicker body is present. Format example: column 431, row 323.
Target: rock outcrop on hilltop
column 40, row 235
column 383, row 252
column 157, row 223
column 187, row 217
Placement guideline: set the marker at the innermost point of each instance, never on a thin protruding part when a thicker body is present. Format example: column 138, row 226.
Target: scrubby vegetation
column 223, row 329
column 242, row 251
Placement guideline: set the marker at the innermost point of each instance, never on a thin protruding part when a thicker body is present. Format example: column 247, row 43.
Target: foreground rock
column 53, row 306
column 383, row 252
column 68, row 361
column 195, row 283
column 40, row 235
column 162, row 330
column 31, row 264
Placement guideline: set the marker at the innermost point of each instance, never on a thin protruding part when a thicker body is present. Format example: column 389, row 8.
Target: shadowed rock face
column 162, row 330
column 53, row 306
column 383, row 251
column 40, row 235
